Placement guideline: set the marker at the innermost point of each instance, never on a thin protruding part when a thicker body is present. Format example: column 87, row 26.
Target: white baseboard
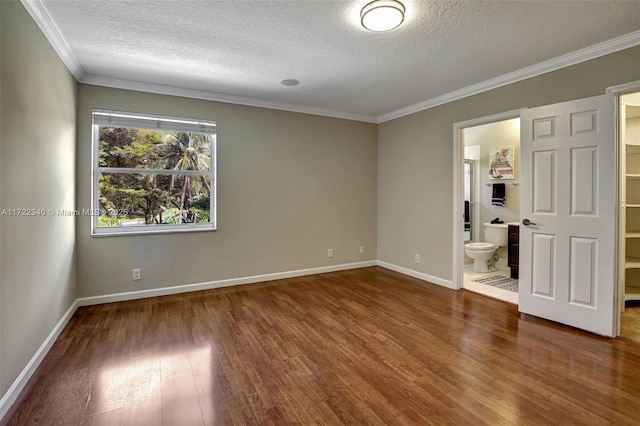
column 19, row 384
column 132, row 295
column 419, row 275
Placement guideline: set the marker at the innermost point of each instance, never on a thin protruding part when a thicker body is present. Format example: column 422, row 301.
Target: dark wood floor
column 367, row 346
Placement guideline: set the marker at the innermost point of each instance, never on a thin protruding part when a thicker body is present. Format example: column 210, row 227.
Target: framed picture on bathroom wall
column 501, row 163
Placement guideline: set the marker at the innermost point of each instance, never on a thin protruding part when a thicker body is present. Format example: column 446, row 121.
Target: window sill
column 119, row 233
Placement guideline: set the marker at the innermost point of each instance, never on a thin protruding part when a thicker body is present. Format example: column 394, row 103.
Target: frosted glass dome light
column 382, row 15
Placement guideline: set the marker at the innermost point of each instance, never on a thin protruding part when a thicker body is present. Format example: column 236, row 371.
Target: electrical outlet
column 330, row 253
column 417, row 258
column 137, row 275
column 361, row 249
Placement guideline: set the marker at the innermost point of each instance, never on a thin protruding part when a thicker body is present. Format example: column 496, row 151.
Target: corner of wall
column 38, row 296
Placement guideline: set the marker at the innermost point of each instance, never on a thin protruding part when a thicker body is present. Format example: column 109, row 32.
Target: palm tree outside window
column 152, row 174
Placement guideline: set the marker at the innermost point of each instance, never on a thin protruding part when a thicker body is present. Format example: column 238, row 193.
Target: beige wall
column 290, row 186
column 37, row 170
column 2, row 389
column 415, row 157
column 490, row 137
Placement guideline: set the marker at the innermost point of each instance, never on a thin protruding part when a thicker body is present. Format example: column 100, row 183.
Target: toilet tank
column 496, row 233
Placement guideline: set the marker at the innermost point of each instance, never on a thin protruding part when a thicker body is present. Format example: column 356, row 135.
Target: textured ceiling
column 245, row 48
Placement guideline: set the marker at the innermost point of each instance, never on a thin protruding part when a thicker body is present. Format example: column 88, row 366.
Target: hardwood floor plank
column 108, row 418
column 367, row 346
column 146, row 412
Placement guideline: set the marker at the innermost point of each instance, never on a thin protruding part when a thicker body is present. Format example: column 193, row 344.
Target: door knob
column 527, row 222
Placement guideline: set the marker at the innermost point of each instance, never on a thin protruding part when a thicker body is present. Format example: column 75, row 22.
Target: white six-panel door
column 567, row 254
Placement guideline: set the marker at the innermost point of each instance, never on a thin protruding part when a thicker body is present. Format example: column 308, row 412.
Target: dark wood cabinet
column 513, row 249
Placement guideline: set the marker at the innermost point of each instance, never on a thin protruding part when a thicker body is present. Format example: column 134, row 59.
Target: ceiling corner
column 42, row 18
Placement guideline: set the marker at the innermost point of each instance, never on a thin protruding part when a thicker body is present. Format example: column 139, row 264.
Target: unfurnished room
column 319, row 212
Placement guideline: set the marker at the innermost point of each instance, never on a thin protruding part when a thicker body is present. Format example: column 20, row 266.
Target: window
column 152, row 174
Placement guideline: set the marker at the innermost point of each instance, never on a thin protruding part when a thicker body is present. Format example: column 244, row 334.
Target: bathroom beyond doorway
column 491, row 194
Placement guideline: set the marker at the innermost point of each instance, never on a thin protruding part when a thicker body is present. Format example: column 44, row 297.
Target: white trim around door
column 618, row 91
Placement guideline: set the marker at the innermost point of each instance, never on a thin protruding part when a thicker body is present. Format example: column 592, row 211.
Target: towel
column 466, row 211
column 498, row 194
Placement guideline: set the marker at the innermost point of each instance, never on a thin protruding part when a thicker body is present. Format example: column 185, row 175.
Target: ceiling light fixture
column 382, row 15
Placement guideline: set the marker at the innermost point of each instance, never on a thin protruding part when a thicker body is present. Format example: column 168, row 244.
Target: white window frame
column 101, row 117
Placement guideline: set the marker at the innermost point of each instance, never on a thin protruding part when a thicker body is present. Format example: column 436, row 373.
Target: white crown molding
column 47, row 25
column 217, row 97
column 592, row 52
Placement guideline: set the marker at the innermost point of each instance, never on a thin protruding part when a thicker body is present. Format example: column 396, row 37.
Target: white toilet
column 485, row 254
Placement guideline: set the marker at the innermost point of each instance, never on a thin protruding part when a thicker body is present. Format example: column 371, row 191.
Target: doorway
column 475, row 142
column 568, row 238
column 629, row 217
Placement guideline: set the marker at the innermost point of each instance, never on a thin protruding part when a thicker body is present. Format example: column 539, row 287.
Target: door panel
column 582, row 274
column 568, row 193
column 584, row 178
column 544, row 181
column 584, row 122
column 543, row 265
column 544, row 128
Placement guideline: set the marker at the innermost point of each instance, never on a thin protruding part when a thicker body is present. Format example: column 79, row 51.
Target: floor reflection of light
column 141, row 378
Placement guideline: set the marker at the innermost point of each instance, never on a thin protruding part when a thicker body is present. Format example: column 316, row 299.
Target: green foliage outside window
column 155, row 198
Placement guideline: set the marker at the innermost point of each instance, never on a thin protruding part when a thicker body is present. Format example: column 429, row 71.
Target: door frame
column 618, row 307
column 474, row 210
column 458, row 187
